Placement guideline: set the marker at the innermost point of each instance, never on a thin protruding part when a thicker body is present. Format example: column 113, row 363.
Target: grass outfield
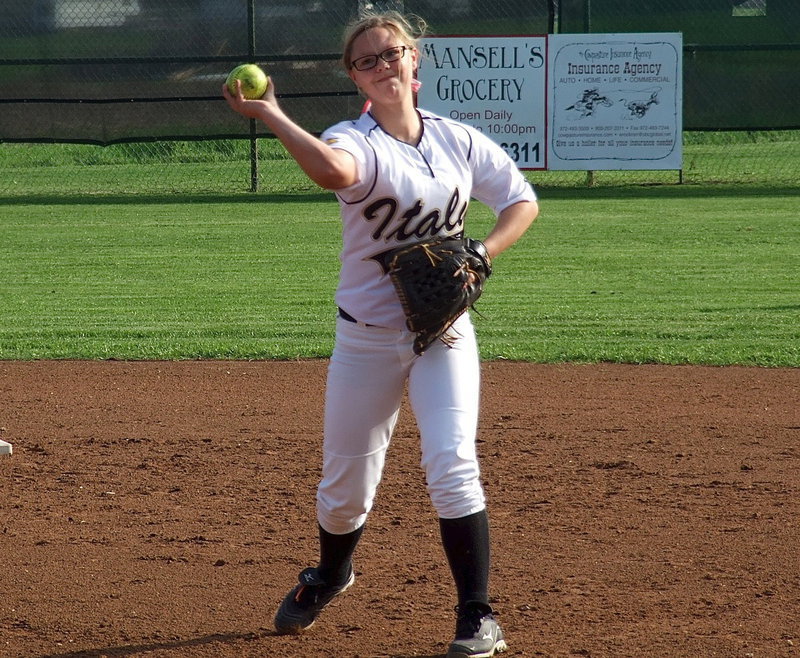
column 656, row 274
column 766, row 158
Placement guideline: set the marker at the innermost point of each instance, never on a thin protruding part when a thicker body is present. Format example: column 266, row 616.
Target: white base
column 5, row 448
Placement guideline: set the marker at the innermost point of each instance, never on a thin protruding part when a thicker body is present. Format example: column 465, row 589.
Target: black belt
column 346, row 316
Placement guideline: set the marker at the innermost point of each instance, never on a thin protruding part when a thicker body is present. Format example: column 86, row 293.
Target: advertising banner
column 563, row 101
column 496, row 84
column 615, row 101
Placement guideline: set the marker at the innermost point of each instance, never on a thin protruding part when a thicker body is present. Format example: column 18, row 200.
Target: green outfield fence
column 117, row 96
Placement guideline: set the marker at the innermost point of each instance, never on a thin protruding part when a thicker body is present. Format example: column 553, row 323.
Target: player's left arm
column 511, row 224
column 498, row 183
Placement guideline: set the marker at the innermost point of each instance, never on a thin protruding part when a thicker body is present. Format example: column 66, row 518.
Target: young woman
column 401, row 175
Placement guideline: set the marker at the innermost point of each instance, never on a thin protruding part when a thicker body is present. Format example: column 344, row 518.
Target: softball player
column 400, row 175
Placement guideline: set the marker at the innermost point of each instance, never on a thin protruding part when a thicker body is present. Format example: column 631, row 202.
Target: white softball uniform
column 404, row 194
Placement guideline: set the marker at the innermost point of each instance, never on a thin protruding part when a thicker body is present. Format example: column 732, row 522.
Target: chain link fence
column 116, row 96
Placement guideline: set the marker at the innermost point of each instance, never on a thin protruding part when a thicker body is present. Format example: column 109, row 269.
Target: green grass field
column 44, row 171
column 662, row 273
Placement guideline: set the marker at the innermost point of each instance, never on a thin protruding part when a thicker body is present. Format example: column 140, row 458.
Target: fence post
column 251, row 51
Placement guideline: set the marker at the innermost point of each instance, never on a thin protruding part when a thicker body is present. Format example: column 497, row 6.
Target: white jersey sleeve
column 496, row 179
column 347, row 137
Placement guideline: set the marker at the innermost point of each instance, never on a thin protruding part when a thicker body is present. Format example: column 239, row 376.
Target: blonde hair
column 408, row 29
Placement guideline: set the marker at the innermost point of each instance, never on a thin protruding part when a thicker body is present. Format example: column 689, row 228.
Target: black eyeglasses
column 370, row 61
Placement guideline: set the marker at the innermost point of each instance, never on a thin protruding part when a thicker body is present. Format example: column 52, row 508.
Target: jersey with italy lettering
column 407, row 194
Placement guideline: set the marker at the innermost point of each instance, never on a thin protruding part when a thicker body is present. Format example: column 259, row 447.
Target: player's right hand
column 252, row 109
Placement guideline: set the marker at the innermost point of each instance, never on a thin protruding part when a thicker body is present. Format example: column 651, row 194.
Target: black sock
column 336, row 554
column 466, row 545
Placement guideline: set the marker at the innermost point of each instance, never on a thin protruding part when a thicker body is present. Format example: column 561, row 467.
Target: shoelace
column 310, row 594
column 470, row 620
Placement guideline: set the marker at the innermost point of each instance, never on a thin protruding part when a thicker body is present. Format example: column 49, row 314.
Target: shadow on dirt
column 134, row 649
column 215, row 638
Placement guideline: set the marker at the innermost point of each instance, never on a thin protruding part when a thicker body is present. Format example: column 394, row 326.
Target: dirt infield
column 163, row 509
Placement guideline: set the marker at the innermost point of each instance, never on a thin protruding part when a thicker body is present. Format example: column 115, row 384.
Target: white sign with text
column 615, row 101
column 496, row 84
column 564, row 101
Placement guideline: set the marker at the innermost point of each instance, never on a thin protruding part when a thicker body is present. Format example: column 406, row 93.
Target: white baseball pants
column 366, row 382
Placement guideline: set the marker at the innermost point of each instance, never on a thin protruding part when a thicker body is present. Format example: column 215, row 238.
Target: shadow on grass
column 651, row 191
column 163, row 199
column 662, row 191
